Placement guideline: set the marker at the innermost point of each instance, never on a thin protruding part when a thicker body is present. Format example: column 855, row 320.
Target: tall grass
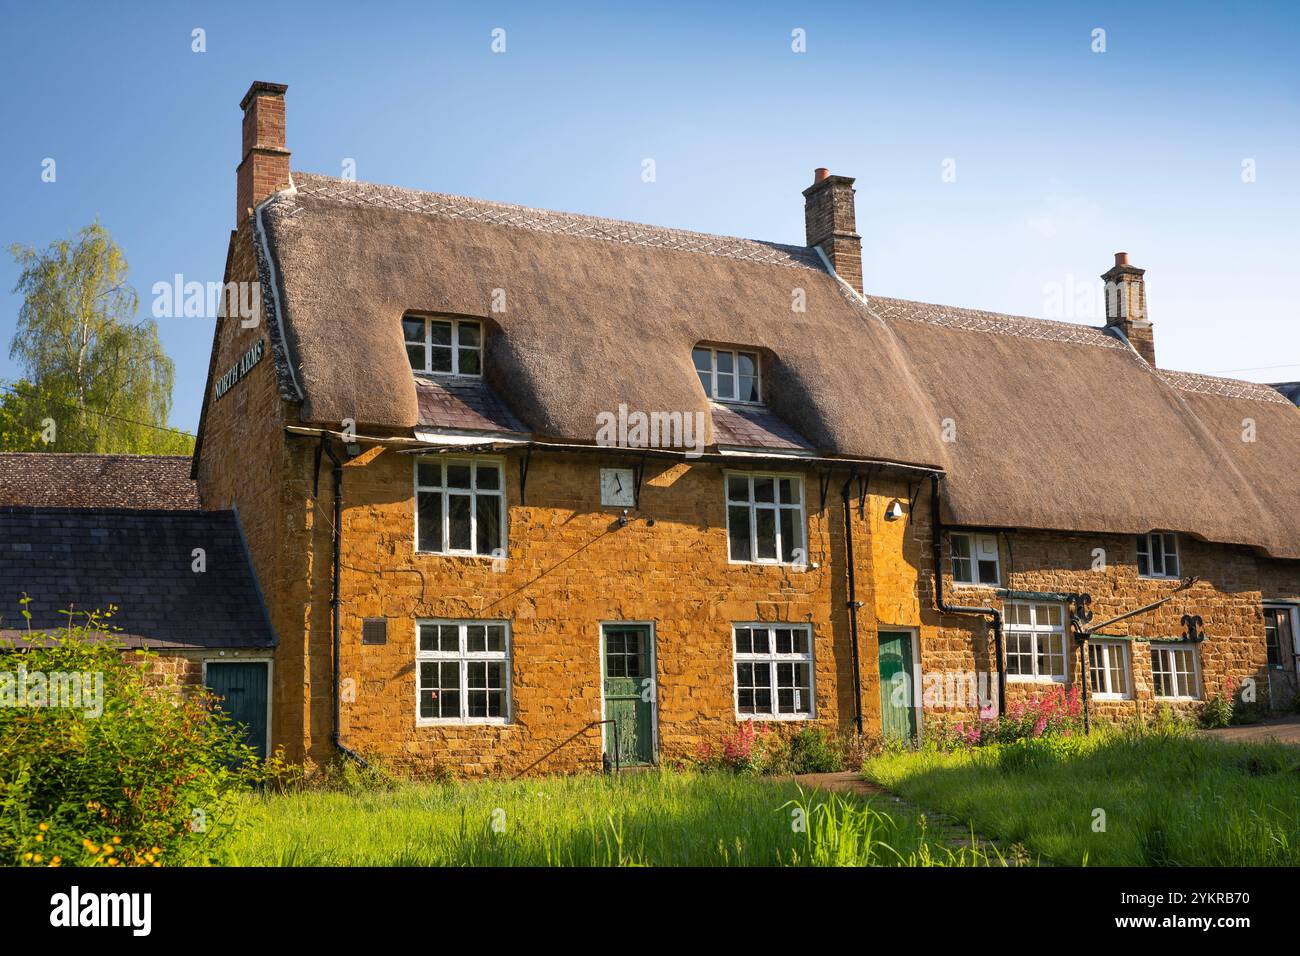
column 1117, row 799
column 650, row 819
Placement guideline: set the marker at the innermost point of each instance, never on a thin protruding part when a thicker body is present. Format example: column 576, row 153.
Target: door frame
column 654, row 676
column 914, row 639
column 270, row 687
column 1294, row 610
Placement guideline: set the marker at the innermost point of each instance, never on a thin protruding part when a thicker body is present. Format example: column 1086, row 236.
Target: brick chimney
column 1126, row 306
column 832, row 224
column 265, row 166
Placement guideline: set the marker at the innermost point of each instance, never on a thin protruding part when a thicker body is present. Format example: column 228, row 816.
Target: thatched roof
column 1038, row 424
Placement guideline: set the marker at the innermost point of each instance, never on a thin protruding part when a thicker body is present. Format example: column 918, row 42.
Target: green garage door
column 243, row 688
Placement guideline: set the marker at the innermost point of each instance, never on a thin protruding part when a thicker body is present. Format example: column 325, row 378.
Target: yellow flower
column 43, row 827
column 40, row 838
column 112, row 862
column 109, row 850
column 37, row 858
column 56, row 861
column 117, row 839
column 27, row 856
column 155, row 850
column 149, row 857
column 157, row 864
column 91, row 847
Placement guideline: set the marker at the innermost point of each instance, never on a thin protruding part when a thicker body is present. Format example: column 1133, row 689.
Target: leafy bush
column 1058, row 713
column 760, row 749
column 123, row 771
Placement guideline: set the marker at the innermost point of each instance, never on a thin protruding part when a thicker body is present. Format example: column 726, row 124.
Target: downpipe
column 336, row 621
column 852, row 605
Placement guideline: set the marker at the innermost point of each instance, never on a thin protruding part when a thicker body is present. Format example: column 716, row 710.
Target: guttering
column 852, row 604
column 992, row 613
column 335, row 616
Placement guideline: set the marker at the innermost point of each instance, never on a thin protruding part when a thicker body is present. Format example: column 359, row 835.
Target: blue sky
column 1062, row 155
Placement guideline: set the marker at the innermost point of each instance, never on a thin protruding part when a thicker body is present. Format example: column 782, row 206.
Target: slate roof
column 140, row 561
column 53, row 480
column 467, row 403
column 753, row 426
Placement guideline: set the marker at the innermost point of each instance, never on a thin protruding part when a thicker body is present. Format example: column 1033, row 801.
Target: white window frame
column 455, row 346
column 976, row 546
column 1195, row 670
column 1035, row 630
column 1107, row 650
column 772, row 659
column 464, row 657
column 735, row 354
column 473, row 492
column 1168, row 542
column 801, row 526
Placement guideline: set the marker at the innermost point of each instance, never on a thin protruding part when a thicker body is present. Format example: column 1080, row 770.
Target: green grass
column 1167, row 800
column 654, row 819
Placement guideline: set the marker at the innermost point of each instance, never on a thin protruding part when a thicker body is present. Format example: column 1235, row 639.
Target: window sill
column 1027, row 679
column 1160, row 577
column 461, row 722
column 1109, row 697
column 461, row 554
column 770, row 564
column 766, row 718
column 420, row 373
column 1176, row 700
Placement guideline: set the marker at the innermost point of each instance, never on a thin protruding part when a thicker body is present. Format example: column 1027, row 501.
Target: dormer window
column 728, row 375
column 443, row 346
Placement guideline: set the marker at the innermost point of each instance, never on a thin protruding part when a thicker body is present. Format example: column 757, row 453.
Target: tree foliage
column 96, row 380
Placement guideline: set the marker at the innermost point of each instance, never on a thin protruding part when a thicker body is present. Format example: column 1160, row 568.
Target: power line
column 100, row 413
column 1257, row 368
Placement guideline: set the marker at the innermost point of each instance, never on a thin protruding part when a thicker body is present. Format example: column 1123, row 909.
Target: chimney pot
column 820, row 173
column 1121, row 258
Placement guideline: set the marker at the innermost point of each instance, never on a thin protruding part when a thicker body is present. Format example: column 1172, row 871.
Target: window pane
column 415, row 355
column 765, row 525
column 469, row 362
column 428, row 531
column 428, row 474
column 789, row 536
column 439, row 359
column 726, row 387
column 476, row 638
column 428, row 637
column 488, row 476
column 413, row 330
column 738, row 534
column 764, row 489
column 469, row 334
column 703, row 359
column 726, row 364
column 784, row 640
column 458, row 476
column 496, row 637
column 747, row 364
column 744, row 642
column 737, row 488
column 988, row 572
column 449, row 638
column 440, row 333
column 458, row 523
column 706, row 381
column 487, row 514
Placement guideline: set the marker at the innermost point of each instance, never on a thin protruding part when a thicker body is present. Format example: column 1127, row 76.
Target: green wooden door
column 242, row 687
column 629, row 692
column 897, row 686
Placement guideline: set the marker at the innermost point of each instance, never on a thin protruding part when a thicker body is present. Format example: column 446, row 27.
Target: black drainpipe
column 336, row 619
column 994, row 615
column 853, row 604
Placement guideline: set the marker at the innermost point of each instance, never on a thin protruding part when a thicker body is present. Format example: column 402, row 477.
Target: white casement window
column 463, row 672
column 765, row 520
column 460, row 506
column 1157, row 555
column 773, row 671
column 1174, row 673
column 1108, row 669
column 1035, row 641
column 975, row 559
column 443, row 346
column 728, row 375
column 1280, row 636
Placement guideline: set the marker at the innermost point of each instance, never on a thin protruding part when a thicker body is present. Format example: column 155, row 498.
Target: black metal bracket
column 911, row 504
column 523, row 473
column 864, row 486
column 1193, row 628
column 315, row 482
column 824, row 481
column 638, row 472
